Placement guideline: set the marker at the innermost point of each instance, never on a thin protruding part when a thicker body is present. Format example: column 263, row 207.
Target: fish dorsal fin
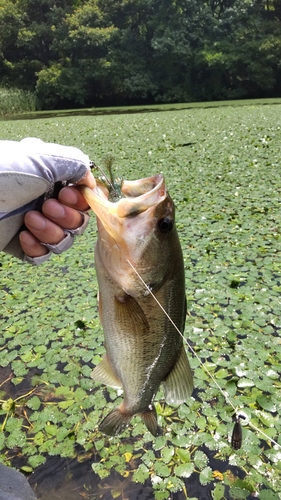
column 104, row 374
column 178, row 385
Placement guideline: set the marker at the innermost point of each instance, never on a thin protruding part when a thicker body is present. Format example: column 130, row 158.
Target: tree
column 100, row 52
column 10, row 24
column 83, row 50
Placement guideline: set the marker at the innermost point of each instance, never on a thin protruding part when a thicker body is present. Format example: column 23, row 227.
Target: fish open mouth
column 138, row 195
column 127, row 227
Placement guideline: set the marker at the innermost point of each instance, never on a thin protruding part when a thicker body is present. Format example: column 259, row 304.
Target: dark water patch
column 139, row 109
column 61, row 478
column 16, row 391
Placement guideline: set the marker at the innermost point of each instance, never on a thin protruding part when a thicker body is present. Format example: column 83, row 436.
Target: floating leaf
column 222, row 373
column 266, row 418
column 26, row 468
column 36, row 460
column 141, row 474
column 100, row 470
column 183, row 455
column 8, row 405
column 200, row 459
column 51, row 429
column 268, row 495
column 167, row 454
column 184, row 470
column 272, row 374
column 238, row 493
column 218, row 492
column 201, row 422
column 205, row 476
column 39, row 438
column 162, row 469
column 159, row 442
column 245, row 382
column 161, row 495
column 66, row 404
column 34, row 403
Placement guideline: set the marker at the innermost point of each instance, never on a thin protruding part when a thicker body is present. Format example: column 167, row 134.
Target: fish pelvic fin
column 104, row 374
column 150, row 419
column 178, row 385
column 118, row 419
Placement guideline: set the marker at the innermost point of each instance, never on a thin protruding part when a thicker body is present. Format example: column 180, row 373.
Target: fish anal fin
column 150, row 419
column 104, row 374
column 115, row 422
column 178, row 385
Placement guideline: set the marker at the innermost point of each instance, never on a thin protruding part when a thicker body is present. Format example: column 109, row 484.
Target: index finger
column 88, row 180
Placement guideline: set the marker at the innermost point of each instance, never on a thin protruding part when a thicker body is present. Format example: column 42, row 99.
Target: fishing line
column 224, row 393
column 97, row 167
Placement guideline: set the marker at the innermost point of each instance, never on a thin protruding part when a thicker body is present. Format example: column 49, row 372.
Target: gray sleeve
column 29, row 169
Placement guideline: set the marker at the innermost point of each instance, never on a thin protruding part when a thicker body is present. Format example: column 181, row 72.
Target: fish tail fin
column 118, row 419
column 150, row 419
column 115, row 422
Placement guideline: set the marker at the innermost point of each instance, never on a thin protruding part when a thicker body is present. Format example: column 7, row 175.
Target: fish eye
column 165, row 225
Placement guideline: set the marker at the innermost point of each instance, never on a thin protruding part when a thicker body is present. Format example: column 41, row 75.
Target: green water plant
column 222, row 167
column 14, row 101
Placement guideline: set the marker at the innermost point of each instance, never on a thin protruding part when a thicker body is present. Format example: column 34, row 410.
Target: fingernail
column 54, row 209
column 26, row 238
column 35, row 220
column 30, row 245
column 68, row 196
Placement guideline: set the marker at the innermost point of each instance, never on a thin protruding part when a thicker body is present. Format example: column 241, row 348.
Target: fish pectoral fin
column 178, row 385
column 104, row 374
column 130, row 316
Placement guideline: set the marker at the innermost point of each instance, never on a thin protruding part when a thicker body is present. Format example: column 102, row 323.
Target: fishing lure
column 113, row 184
column 237, row 435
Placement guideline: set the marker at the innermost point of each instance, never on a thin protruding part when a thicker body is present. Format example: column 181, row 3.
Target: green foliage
column 90, row 53
column 221, row 165
column 14, row 101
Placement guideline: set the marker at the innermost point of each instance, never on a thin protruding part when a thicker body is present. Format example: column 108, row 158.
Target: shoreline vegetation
column 17, row 101
column 21, row 104
column 88, row 53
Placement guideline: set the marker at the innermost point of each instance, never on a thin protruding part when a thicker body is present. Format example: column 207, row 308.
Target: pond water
column 226, row 186
column 69, row 479
column 64, row 478
column 73, row 478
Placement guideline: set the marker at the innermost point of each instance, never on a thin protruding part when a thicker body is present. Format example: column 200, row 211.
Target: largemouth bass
column 143, row 348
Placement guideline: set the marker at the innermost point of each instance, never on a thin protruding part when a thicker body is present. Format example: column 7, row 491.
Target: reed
column 13, row 101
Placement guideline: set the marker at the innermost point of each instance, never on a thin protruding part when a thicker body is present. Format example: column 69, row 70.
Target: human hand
column 30, row 170
column 57, row 216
